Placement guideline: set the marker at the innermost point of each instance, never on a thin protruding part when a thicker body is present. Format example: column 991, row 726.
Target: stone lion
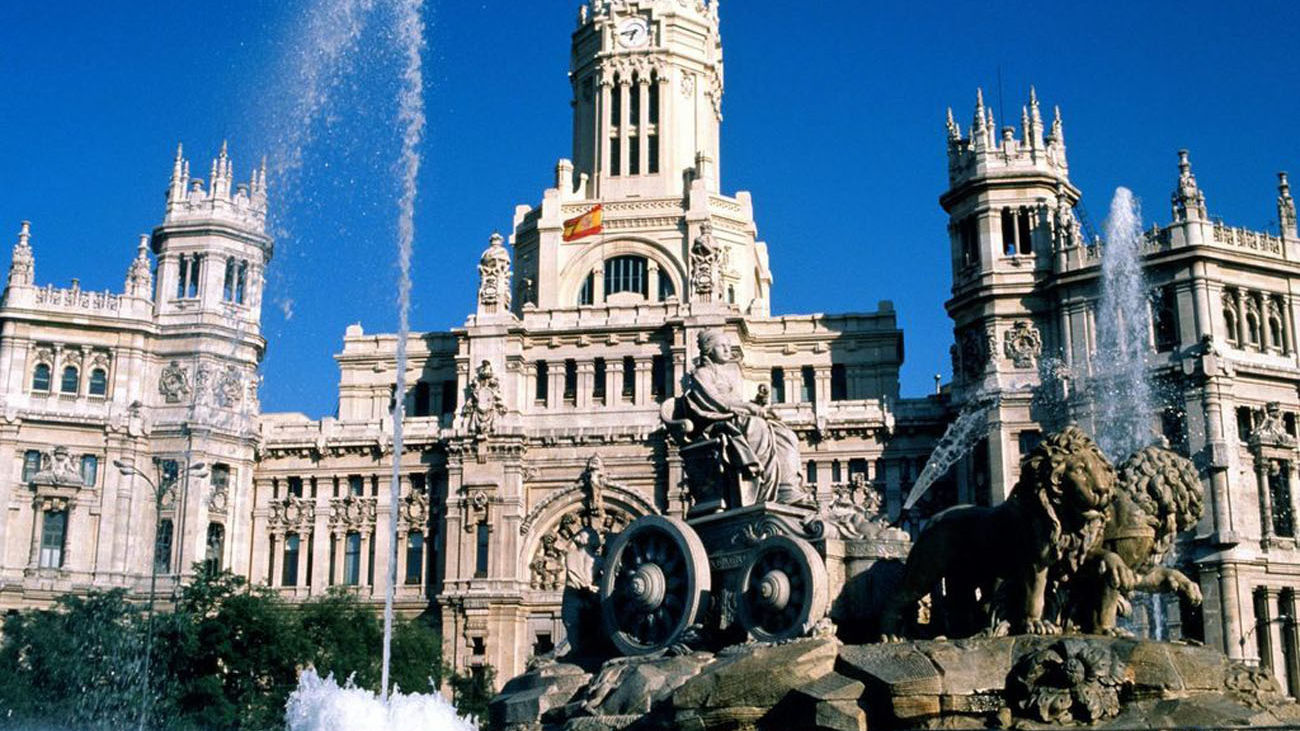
column 1159, row 495
column 1040, row 535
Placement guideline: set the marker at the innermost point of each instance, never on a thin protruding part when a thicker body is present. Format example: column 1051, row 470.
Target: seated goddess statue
column 756, row 447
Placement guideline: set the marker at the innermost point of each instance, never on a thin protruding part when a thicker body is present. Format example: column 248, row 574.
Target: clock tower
column 650, row 227
column 647, row 85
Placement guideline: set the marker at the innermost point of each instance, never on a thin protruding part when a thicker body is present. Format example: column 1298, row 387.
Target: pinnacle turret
column 1187, row 200
column 22, row 271
column 243, row 204
column 1035, row 146
column 1286, row 214
column 139, row 276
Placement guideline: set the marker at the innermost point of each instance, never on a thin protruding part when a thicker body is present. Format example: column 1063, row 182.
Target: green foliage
column 227, row 657
column 77, row 665
column 472, row 693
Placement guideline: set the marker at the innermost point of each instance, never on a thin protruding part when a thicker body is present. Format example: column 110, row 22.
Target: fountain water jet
column 1121, row 395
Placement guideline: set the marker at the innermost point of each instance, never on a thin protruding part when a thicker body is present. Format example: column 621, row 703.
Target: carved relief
column 413, row 510
column 57, row 469
column 352, row 512
column 228, row 388
column 1022, row 344
column 1073, row 681
column 291, row 514
column 476, row 503
column 174, row 383
column 1271, row 431
column 974, row 353
column 705, row 265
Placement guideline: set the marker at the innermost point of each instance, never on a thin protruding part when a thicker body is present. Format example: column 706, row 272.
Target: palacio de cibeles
column 627, row 493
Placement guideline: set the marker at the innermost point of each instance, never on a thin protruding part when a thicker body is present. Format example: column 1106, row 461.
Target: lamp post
column 160, row 488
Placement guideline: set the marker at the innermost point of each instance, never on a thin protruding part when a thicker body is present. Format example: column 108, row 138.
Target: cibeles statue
column 759, row 454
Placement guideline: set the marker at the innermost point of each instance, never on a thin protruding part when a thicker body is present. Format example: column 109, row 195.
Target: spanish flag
column 588, row 224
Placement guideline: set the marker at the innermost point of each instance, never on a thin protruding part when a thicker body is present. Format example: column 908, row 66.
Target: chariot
column 755, row 568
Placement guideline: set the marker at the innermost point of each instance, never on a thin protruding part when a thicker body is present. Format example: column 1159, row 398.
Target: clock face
column 633, row 33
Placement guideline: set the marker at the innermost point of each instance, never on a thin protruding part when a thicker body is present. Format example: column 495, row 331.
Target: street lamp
column 160, row 488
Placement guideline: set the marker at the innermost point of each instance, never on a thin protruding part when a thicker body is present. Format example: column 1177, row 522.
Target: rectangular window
column 352, row 559
column 31, row 464
column 839, row 382
column 809, row 390
column 241, row 283
column 653, row 151
column 414, row 557
column 629, row 378
column 423, row 399
column 570, row 380
column 778, row 385
column 484, row 541
column 289, row 572
column 220, row 475
column 634, row 104
column 89, row 470
column 170, row 470
column 1029, row 440
column 356, row 485
column 1164, row 319
column 228, row 282
column 182, row 274
column 837, row 472
column 1279, row 487
column 1245, row 423
column 216, row 548
column 448, row 398
column 195, row 267
column 1025, row 232
column 543, row 387
column 658, row 377
column 615, row 157
column 616, row 105
column 162, row 547
column 295, row 486
column 54, row 529
column 1008, row 232
column 968, row 235
column 598, row 385
column 811, row 477
column 1173, row 425
column 634, row 155
column 334, row 546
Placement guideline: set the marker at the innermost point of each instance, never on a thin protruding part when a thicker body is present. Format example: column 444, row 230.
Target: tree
column 76, row 665
column 346, row 637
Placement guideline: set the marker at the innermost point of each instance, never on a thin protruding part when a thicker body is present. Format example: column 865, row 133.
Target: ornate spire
column 139, row 277
column 180, row 176
column 222, row 174
column 1034, row 131
column 954, row 132
column 1188, row 200
column 1286, row 217
column 980, row 125
column 1058, row 127
column 22, row 272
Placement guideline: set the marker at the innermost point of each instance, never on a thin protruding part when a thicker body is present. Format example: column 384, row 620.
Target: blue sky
column 834, row 120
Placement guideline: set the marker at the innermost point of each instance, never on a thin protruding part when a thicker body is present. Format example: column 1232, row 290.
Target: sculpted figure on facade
column 484, row 404
column 594, row 482
column 1158, row 495
column 706, row 265
column 494, row 277
column 22, row 271
column 58, row 468
column 1022, row 344
column 174, row 383
column 1018, row 551
column 757, row 450
column 1271, row 430
column 139, row 277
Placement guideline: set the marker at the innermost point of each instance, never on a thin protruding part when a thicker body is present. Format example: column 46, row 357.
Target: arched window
column 1252, row 328
column 41, row 377
column 587, row 295
column 626, row 274
column 1230, row 324
column 666, row 288
column 71, row 380
column 1275, row 332
column 98, row 382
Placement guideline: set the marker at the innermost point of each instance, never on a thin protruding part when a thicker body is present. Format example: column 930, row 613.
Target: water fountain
column 1121, row 394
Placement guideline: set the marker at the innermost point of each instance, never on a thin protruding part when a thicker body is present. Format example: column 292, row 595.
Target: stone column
column 320, row 548
column 644, row 371
column 822, row 392
column 1243, row 334
column 1265, row 500
column 1230, row 602
column 1290, row 642
column 336, row 556
column 643, row 130
column 652, row 281
column 1264, row 627
column 555, row 390
column 35, row 554
column 602, row 125
column 276, row 543
column 625, row 124
column 586, row 383
column 304, row 553
column 613, row 380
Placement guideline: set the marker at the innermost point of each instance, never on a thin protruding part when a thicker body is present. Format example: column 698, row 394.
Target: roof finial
column 954, row 132
column 1286, row 214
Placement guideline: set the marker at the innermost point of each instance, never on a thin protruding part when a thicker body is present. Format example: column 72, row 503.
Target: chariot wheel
column 783, row 589
column 654, row 585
